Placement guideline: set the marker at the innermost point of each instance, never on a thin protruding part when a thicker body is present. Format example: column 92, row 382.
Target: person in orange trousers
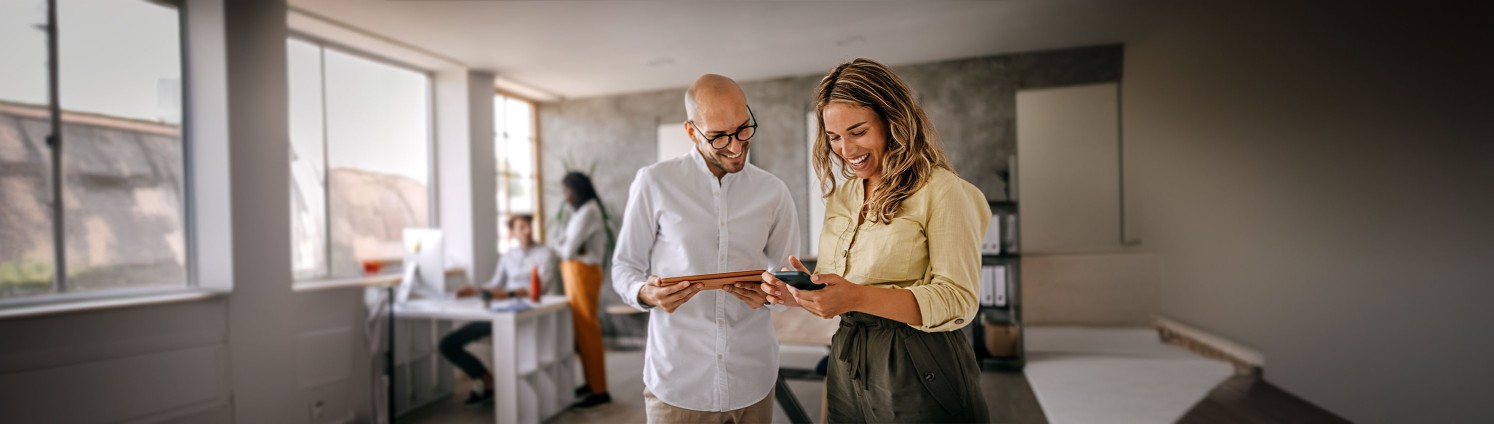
column 583, row 248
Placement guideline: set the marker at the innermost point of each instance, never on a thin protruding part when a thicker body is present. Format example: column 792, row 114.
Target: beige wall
column 1118, row 288
column 1317, row 183
column 1068, row 170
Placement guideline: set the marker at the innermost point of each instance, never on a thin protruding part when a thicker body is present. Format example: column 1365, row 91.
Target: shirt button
column 959, row 320
column 928, row 377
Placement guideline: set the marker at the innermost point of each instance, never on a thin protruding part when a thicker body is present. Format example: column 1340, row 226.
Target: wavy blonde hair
column 913, row 151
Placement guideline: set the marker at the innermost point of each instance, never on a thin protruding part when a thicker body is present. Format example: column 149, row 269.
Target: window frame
column 502, row 178
column 61, row 299
column 432, row 192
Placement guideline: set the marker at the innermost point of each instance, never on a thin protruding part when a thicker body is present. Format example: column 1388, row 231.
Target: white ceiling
column 573, row 48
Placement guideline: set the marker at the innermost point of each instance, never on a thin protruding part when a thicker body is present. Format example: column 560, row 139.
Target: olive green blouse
column 931, row 247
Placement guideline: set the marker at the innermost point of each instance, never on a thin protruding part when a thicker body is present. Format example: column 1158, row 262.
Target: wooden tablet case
column 716, row 281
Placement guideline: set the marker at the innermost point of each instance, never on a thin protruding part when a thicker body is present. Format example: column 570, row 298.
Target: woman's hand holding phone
column 835, row 297
column 825, row 295
column 780, row 292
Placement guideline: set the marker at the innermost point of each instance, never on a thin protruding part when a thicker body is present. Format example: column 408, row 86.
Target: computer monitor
column 424, row 262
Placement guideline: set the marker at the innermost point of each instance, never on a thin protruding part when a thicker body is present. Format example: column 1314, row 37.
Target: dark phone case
column 797, row 279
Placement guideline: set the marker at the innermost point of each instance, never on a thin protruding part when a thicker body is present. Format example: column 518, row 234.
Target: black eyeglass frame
column 729, row 137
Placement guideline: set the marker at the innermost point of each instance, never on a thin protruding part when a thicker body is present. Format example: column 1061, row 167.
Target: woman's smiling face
column 858, row 135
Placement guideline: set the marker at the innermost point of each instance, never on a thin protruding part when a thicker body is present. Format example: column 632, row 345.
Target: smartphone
column 798, row 279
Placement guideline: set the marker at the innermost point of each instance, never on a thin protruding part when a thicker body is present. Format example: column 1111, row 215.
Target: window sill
column 61, row 305
column 376, row 281
column 341, row 283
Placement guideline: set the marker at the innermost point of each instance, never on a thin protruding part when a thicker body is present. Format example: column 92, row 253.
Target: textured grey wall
column 970, row 101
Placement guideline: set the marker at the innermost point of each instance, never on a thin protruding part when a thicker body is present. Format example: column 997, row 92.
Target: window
column 518, row 169
column 360, row 159
column 119, row 175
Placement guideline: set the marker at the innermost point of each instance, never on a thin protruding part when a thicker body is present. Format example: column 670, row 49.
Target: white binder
column 987, row 286
column 993, row 285
column 991, row 245
column 998, row 279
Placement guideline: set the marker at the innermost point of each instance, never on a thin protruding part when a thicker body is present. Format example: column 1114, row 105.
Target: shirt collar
column 700, row 161
column 533, row 248
column 700, row 164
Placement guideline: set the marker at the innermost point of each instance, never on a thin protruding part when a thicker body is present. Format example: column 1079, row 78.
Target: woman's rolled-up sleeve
column 957, row 220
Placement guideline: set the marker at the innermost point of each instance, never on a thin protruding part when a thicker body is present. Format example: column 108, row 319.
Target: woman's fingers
column 798, row 266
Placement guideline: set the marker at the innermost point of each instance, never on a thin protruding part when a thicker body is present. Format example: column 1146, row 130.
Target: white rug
column 1115, row 375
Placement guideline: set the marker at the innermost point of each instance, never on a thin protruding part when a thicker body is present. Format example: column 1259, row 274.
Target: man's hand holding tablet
column 742, row 284
column 667, row 296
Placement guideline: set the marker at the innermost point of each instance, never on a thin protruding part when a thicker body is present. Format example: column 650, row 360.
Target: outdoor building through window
column 115, row 176
column 360, row 159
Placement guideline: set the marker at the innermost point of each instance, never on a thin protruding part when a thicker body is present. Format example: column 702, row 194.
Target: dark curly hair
column 581, row 189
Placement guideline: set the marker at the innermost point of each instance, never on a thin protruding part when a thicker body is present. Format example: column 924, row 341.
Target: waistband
column 858, row 319
column 854, row 348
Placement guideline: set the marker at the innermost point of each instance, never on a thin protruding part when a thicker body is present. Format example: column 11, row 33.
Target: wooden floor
column 1247, row 399
column 1009, row 396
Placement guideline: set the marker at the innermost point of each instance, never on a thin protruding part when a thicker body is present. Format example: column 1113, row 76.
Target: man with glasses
column 711, row 355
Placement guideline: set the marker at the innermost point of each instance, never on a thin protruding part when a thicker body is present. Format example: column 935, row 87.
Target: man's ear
column 689, row 132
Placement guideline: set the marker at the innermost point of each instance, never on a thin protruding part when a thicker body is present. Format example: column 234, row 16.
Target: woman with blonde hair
column 900, row 257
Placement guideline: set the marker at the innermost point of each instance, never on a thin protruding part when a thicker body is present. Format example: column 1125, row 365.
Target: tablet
column 716, row 281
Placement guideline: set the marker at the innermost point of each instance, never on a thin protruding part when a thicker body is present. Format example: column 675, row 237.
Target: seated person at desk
column 510, row 280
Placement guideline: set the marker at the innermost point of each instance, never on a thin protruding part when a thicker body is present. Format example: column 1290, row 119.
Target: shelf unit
column 1011, row 313
column 545, row 364
column 534, row 363
column 423, row 376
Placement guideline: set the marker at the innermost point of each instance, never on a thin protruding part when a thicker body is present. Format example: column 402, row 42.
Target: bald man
column 712, row 355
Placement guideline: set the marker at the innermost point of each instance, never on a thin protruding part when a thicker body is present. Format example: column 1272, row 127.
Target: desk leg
column 790, row 404
column 389, row 359
column 505, row 370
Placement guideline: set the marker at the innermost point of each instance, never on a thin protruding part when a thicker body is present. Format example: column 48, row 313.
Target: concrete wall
column 1317, row 180
column 970, row 101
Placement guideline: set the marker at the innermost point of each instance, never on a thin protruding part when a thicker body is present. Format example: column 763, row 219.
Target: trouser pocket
column 937, row 370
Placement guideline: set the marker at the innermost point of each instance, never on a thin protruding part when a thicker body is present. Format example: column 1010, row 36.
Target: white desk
column 533, row 353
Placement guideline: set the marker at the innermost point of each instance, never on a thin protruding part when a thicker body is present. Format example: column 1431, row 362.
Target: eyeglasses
column 720, row 141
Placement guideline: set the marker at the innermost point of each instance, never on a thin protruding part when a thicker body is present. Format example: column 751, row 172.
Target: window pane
column 521, row 195
column 120, row 81
column 308, row 189
column 25, row 162
column 514, row 149
column 500, row 140
column 378, row 147
column 519, row 134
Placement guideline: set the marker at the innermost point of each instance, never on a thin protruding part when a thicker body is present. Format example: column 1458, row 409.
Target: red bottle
column 534, row 284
